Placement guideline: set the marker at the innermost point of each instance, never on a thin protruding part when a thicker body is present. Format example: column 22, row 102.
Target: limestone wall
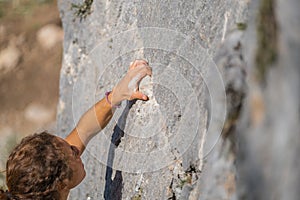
column 189, row 141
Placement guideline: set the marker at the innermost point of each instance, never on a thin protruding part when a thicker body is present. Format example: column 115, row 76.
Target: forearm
column 92, row 121
column 97, row 117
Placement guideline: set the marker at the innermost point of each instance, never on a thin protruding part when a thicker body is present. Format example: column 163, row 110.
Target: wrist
column 111, row 100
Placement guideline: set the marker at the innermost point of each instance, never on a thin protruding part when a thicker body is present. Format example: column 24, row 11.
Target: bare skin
column 98, row 116
column 77, row 166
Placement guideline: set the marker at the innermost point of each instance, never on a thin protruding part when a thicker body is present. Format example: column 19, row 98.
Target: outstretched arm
column 99, row 115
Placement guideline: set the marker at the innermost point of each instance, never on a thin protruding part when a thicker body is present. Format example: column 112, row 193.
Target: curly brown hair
column 36, row 169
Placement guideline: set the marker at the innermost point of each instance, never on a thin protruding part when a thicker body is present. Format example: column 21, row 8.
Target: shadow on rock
column 113, row 185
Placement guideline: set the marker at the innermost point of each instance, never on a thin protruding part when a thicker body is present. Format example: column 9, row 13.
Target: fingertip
column 146, row 62
column 140, row 96
column 145, row 98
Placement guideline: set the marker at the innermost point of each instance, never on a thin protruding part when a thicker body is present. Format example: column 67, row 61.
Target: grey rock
column 268, row 131
column 172, row 147
column 156, row 153
column 218, row 179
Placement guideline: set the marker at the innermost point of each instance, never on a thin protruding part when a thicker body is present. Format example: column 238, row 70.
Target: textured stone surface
column 162, row 149
column 218, row 180
column 268, row 132
column 155, row 149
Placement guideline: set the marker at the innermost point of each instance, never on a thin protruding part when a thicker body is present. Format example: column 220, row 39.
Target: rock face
column 268, row 131
column 185, row 141
column 154, row 149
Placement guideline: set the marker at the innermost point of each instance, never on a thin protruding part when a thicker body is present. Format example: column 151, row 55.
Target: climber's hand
column 128, row 87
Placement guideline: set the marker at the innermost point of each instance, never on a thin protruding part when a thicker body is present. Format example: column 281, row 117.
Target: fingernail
column 145, row 97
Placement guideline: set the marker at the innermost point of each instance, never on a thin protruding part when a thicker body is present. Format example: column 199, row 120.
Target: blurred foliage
column 20, row 7
column 11, row 11
column 6, row 146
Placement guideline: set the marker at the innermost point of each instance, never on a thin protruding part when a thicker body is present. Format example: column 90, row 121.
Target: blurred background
column 30, row 59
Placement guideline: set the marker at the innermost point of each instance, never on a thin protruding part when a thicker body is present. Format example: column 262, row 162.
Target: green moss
column 241, row 26
column 138, row 195
column 82, row 10
column 267, row 37
column 181, row 183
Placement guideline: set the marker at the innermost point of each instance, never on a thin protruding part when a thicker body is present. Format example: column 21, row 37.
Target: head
column 42, row 166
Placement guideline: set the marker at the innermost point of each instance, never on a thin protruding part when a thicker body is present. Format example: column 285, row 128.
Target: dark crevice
column 82, row 10
column 173, row 197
